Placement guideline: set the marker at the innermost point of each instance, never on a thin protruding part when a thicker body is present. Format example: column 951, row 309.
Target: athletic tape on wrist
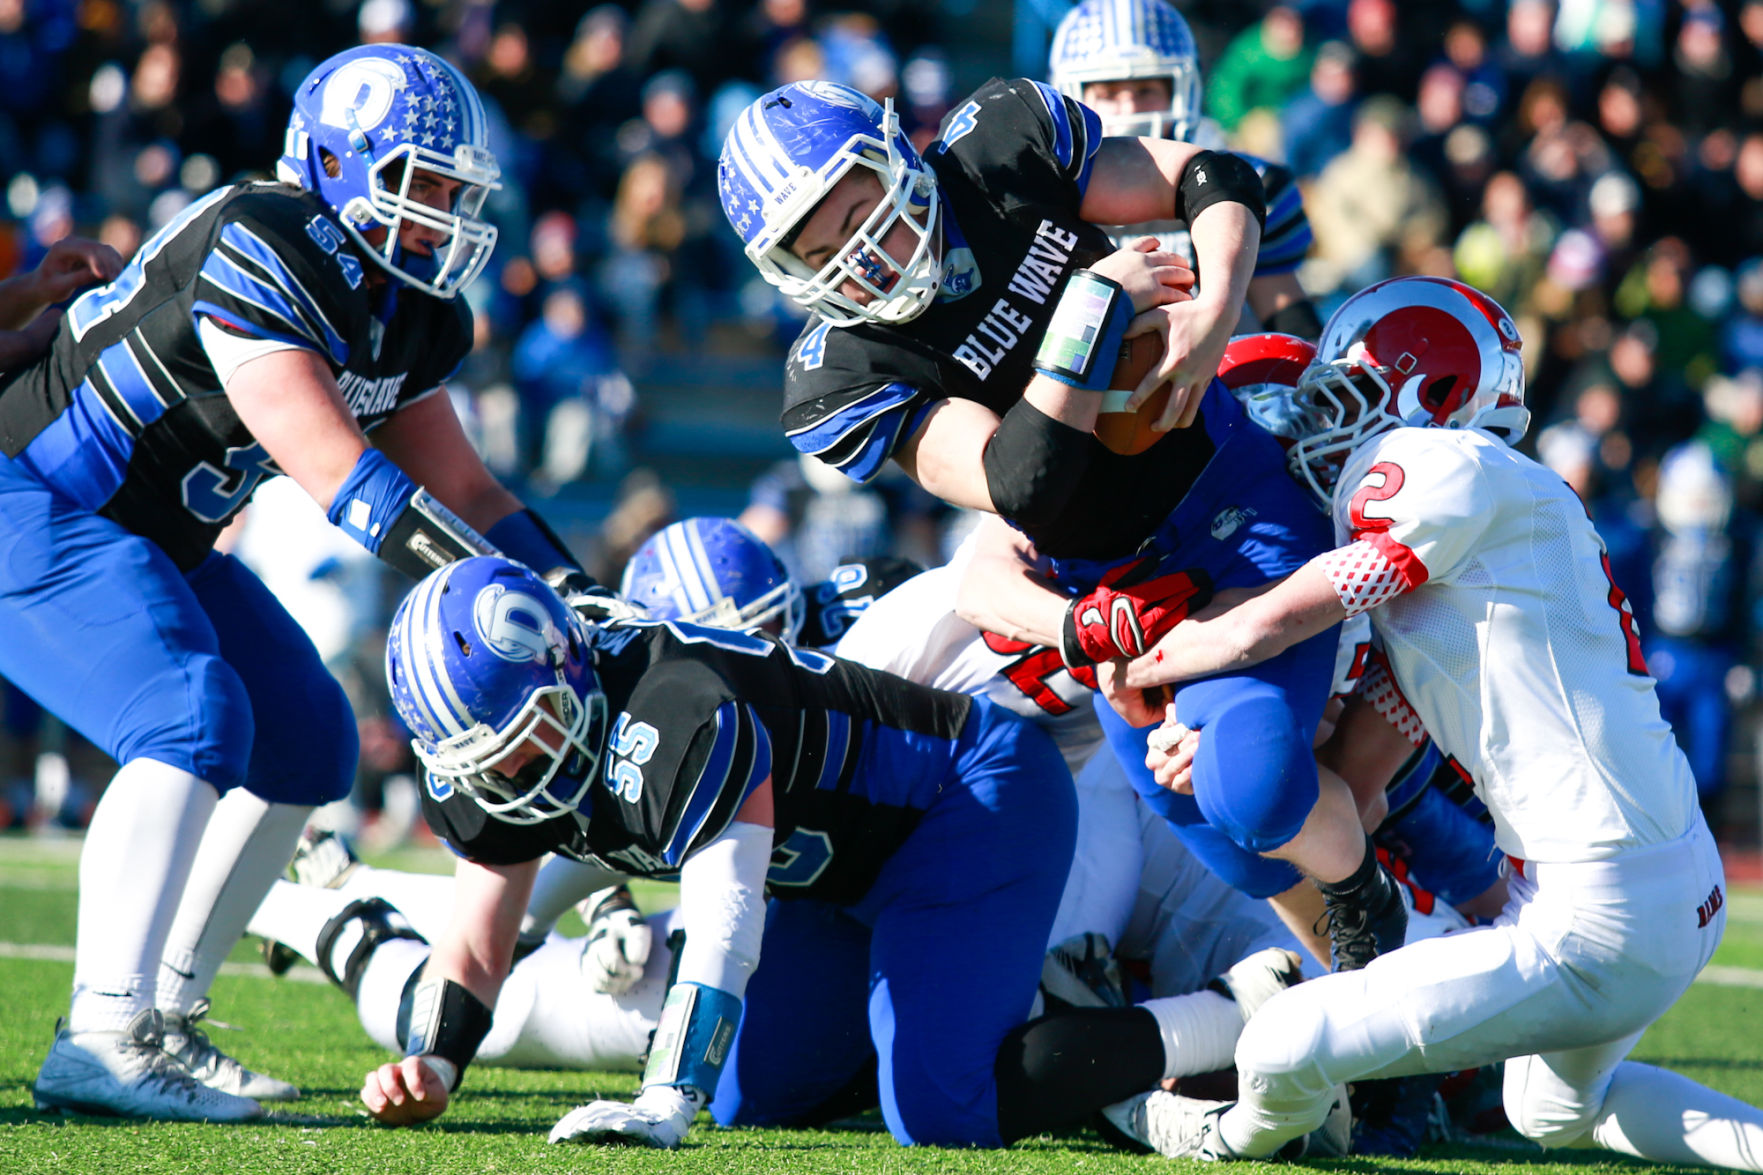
column 693, row 1037
column 1082, row 341
column 446, row 1020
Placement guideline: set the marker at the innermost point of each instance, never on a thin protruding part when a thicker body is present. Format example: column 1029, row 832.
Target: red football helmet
column 1422, row 351
column 1262, row 371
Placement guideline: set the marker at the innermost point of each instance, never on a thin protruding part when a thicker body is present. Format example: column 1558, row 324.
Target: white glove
column 618, row 941
column 659, row 1117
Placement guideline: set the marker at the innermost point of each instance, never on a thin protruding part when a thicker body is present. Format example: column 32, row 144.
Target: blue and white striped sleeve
column 1286, row 239
column 856, row 431
column 248, row 284
column 1077, row 134
column 737, row 761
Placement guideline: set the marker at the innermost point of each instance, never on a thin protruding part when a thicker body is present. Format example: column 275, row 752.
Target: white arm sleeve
column 227, row 352
column 562, row 882
column 722, row 907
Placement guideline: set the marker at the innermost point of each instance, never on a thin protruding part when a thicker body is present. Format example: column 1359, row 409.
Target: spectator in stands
column 1261, row 70
column 1371, row 208
column 1318, row 123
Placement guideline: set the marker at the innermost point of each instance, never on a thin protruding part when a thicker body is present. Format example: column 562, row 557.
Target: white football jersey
column 914, row 631
column 1513, row 644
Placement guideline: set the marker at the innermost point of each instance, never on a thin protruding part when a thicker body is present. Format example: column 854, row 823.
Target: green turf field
column 306, row 1032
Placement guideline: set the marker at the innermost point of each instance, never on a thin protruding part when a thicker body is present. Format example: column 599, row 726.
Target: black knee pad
column 380, row 922
column 1053, row 1073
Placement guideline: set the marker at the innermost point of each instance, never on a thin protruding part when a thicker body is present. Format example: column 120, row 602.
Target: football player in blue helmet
column 371, row 131
column 989, row 394
column 1134, row 63
column 714, row 571
column 267, row 328
column 914, row 843
column 483, row 667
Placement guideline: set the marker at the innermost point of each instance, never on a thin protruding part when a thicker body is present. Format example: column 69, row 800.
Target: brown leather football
column 1130, row 432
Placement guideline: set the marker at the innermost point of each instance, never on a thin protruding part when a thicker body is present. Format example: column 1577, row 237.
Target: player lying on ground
column 593, row 1002
column 1491, row 592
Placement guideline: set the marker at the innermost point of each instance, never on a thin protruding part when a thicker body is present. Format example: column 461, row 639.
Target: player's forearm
column 1235, row 633
column 21, row 300
column 1226, row 238
column 999, row 594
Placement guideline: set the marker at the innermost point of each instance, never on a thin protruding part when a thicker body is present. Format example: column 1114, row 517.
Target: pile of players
column 1159, row 699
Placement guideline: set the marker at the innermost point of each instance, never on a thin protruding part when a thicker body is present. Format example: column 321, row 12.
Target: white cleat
column 1180, row 1127
column 129, row 1074
column 1260, row 977
column 190, row 1047
column 1173, row 1125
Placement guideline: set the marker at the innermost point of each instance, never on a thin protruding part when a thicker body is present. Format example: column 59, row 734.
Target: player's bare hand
column 1140, row 707
column 403, row 1093
column 72, row 264
column 1150, row 275
column 1171, row 754
column 1194, row 333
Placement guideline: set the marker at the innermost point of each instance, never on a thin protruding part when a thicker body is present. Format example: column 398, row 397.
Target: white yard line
column 56, row 953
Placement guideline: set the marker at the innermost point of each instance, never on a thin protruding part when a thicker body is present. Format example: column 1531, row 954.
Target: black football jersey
column 699, row 718
column 125, row 414
column 1012, row 166
column 833, row 605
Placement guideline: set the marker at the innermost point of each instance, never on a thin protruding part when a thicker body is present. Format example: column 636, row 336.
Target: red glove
column 1126, row 613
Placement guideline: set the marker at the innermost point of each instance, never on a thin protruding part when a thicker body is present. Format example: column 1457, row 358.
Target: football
column 1130, row 432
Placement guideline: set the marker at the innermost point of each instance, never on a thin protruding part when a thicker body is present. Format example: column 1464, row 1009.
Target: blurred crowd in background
column 1595, row 165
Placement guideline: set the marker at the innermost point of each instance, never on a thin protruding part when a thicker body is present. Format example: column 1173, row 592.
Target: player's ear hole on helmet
column 332, row 166
column 1437, row 392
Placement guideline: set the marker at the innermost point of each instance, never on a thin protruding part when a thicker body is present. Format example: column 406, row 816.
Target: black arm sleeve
column 1033, row 463
column 1218, row 177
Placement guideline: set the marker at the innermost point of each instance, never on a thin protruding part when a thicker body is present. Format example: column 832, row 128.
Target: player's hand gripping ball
column 1130, row 432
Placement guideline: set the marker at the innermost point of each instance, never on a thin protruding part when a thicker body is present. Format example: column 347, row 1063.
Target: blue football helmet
column 488, row 666
column 714, row 571
column 785, row 153
column 381, row 112
column 1125, row 40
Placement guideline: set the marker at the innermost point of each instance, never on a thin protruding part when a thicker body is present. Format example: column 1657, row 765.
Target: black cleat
column 1365, row 922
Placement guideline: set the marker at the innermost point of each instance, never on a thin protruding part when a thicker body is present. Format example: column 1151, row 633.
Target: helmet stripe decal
column 685, row 556
column 415, row 661
column 435, row 688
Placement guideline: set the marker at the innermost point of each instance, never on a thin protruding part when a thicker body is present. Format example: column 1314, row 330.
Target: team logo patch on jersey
column 960, row 275
column 512, row 625
column 1227, row 521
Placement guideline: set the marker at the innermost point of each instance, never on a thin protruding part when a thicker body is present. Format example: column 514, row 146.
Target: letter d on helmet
column 487, row 666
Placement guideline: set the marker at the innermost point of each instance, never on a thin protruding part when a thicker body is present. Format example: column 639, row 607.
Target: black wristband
column 1219, row 177
column 446, row 1021
column 1296, row 318
column 1033, row 462
column 1070, row 647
